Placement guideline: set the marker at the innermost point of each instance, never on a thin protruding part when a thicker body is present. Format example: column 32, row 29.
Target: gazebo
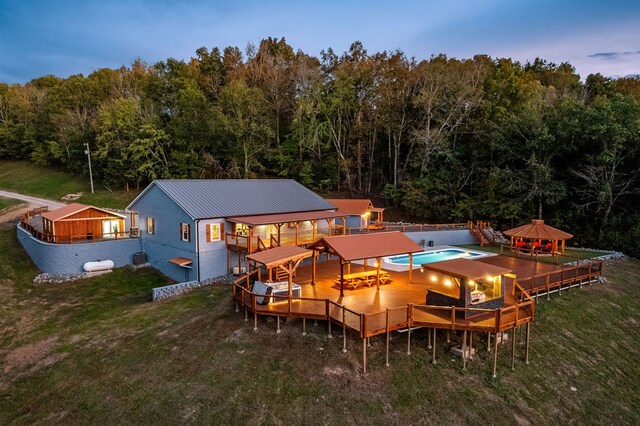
column 537, row 238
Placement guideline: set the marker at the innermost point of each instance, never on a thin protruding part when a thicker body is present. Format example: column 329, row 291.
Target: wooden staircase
column 482, row 233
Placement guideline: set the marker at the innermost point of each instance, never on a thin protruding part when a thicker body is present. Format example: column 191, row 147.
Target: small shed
column 537, row 238
column 359, row 213
column 77, row 221
column 466, row 283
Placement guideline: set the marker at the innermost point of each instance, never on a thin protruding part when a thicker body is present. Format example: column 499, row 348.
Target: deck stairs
column 481, row 233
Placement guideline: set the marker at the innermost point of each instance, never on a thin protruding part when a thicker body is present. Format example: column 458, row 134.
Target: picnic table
column 365, row 278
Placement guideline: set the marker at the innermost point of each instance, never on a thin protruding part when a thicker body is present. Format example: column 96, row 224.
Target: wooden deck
column 401, row 304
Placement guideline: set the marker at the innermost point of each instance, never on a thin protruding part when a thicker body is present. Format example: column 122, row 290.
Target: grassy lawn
column 30, row 179
column 98, row 351
column 8, row 202
column 570, row 255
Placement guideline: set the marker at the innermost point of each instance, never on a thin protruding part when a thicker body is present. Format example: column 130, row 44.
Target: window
column 185, row 232
column 215, row 232
column 151, row 226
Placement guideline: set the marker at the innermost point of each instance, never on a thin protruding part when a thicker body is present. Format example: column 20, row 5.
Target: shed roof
column 538, row 230
column 213, row 198
column 350, row 206
column 367, row 246
column 465, row 268
column 279, row 255
column 71, row 209
column 266, row 219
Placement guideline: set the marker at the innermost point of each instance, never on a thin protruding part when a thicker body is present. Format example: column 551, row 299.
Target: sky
column 66, row 37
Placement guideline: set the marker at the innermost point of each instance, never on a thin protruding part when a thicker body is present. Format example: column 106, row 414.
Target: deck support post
column 513, row 349
column 387, row 336
column 409, row 323
column 304, row 326
column 433, row 353
column 428, row 338
column 328, row 315
column 237, row 307
column 448, row 339
column 464, row 350
column 364, row 354
column 495, row 354
column 255, row 321
column 246, row 314
column 344, row 332
column 526, row 351
column 489, row 342
column 278, row 324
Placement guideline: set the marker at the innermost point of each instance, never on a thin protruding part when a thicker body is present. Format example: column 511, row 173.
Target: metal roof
column 279, row 255
column 74, row 208
column 537, row 230
column 465, row 268
column 212, row 198
column 368, row 246
column 267, row 219
column 351, row 206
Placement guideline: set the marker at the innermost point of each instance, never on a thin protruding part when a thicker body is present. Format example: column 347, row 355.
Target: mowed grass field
column 5, row 203
column 30, row 179
column 97, row 351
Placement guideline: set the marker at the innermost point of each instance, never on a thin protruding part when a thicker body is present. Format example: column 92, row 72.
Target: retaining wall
column 63, row 259
column 455, row 237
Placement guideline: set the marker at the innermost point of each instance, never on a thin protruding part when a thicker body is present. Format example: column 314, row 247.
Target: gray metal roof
column 209, row 198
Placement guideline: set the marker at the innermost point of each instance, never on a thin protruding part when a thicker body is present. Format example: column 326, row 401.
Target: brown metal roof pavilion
column 365, row 246
column 368, row 246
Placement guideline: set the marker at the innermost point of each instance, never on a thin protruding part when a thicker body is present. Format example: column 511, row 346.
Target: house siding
column 213, row 255
column 165, row 243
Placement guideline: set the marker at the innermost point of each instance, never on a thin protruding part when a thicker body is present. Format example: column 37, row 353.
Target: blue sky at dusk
column 70, row 37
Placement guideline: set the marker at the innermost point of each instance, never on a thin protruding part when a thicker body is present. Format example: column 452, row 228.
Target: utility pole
column 89, row 158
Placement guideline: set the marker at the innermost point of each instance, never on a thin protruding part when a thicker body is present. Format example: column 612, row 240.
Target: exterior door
column 110, row 228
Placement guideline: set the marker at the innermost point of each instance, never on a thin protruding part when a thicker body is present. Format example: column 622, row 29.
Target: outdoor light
column 433, row 278
column 488, row 278
column 471, row 283
column 421, row 269
column 447, row 282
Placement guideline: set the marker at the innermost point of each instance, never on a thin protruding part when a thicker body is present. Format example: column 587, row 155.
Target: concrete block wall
column 63, row 259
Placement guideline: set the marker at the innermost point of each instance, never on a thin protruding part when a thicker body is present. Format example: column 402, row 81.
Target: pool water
column 432, row 256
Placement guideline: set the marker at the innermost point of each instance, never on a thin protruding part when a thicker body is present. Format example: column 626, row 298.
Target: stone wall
column 161, row 293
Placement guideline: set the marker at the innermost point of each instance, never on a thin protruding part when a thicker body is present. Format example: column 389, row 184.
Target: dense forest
column 443, row 139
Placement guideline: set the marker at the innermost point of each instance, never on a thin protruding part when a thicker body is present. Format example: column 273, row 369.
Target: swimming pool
column 401, row 262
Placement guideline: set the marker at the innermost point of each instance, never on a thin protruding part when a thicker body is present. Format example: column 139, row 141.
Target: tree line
column 444, row 139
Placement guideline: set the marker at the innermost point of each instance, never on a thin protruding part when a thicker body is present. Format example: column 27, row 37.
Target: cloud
column 610, row 56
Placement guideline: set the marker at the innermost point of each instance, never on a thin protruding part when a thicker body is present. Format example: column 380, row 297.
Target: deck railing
column 549, row 281
column 372, row 324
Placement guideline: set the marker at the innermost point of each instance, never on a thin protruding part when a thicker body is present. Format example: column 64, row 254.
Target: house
column 205, row 228
column 359, row 213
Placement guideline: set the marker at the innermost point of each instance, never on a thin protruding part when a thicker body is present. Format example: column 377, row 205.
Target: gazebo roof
column 368, row 246
column 537, row 230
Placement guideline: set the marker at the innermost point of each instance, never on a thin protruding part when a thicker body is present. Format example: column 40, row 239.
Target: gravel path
column 13, row 213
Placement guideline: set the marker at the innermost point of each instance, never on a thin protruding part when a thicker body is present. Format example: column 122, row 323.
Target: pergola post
column 378, row 260
column 314, row 224
column 341, row 278
column 410, row 268
column 297, row 225
column 313, row 267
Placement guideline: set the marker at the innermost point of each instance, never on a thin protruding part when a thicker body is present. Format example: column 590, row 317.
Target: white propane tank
column 98, row 265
